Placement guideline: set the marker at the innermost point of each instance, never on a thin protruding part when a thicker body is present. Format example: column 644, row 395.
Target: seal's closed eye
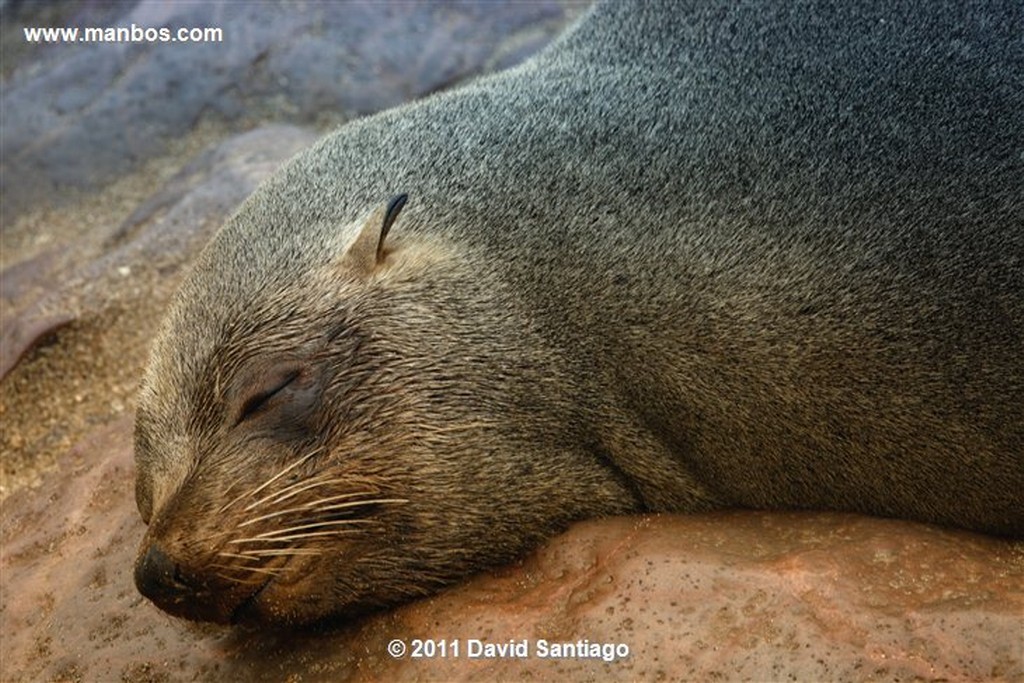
column 272, row 386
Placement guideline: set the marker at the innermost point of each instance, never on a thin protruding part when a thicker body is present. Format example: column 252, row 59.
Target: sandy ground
column 84, row 373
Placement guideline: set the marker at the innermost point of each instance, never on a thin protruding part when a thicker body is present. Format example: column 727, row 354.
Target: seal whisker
column 298, row 537
column 238, row 556
column 320, row 479
column 277, row 552
column 291, row 491
column 257, row 570
column 274, row 478
column 313, row 505
column 357, row 503
column 341, row 496
column 314, row 526
column 281, row 535
column 229, row 487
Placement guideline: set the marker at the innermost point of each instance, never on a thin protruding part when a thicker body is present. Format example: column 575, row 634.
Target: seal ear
column 367, row 252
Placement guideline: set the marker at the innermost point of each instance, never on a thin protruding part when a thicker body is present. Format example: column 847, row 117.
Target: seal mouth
column 247, row 611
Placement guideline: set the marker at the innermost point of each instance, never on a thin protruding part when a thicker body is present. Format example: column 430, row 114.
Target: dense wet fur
column 692, row 256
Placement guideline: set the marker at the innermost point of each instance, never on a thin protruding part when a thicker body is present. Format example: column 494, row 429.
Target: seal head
column 328, row 444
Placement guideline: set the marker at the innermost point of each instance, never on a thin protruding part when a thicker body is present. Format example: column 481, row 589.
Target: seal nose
column 157, row 577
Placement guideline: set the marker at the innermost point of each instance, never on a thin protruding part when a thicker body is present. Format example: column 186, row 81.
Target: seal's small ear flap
column 367, row 252
column 390, row 214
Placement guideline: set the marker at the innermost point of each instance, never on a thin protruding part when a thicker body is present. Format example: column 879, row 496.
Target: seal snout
column 158, row 578
column 176, row 589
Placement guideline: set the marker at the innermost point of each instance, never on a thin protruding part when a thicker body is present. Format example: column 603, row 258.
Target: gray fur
column 692, row 256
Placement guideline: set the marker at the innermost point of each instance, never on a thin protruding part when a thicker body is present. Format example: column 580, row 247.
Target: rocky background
column 118, row 162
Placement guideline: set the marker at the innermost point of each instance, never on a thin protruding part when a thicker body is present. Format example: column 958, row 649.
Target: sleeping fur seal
column 694, row 255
